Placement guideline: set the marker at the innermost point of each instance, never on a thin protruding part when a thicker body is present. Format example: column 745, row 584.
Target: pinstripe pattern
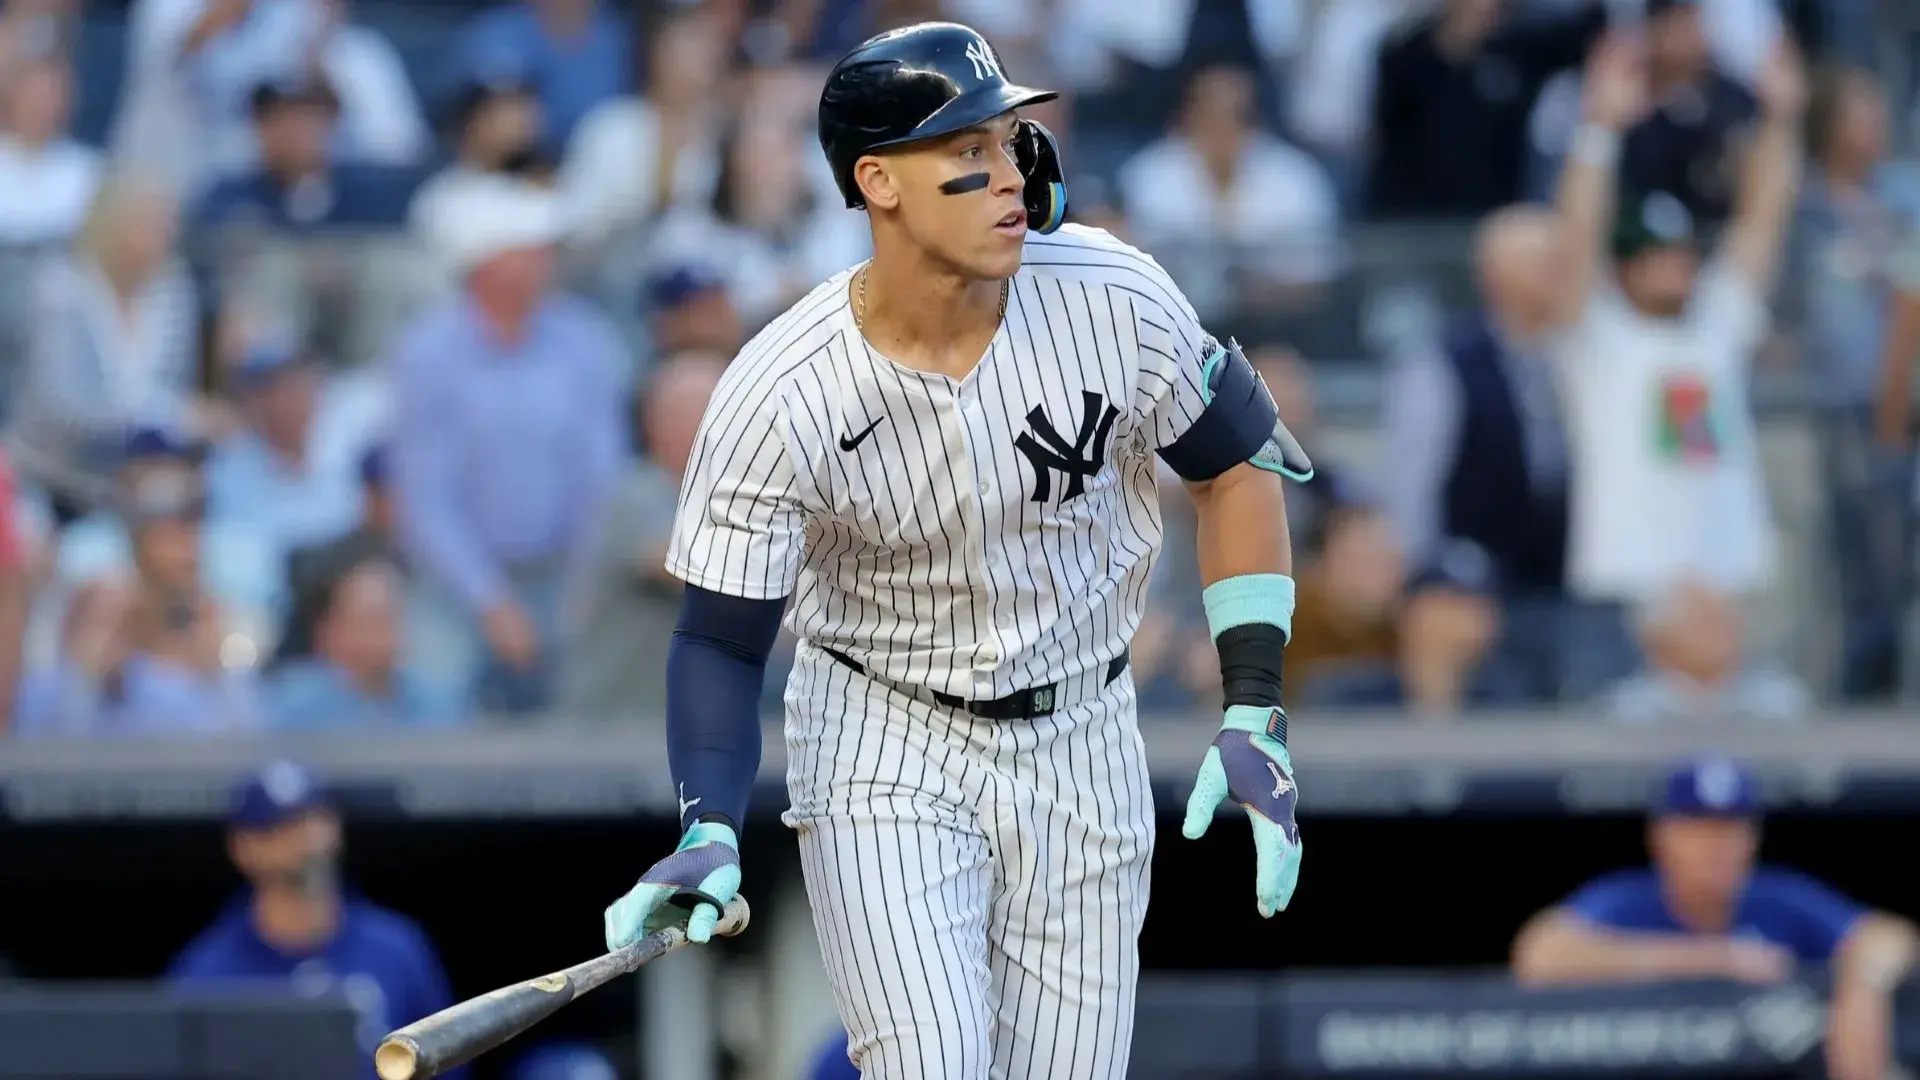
column 977, row 887
column 977, row 900
column 921, row 553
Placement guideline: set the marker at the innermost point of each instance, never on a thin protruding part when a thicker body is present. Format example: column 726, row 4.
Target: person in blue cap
column 292, row 473
column 294, row 919
column 1705, row 909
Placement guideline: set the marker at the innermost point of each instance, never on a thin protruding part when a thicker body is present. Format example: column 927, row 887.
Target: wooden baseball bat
column 459, row 1033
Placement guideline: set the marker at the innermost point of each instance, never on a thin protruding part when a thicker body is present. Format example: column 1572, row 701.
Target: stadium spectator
column 113, row 347
column 1257, row 222
column 192, row 66
column 1696, row 667
column 16, row 589
column 1129, row 61
column 509, row 438
column 691, row 310
column 1476, row 485
column 159, row 655
column 355, row 679
column 312, row 570
column 1705, row 910
column 299, row 184
column 1451, row 99
column 47, row 179
column 776, row 225
column 1850, row 234
column 292, row 474
column 294, row 917
column 1345, row 648
column 497, row 127
column 30, row 29
column 1668, row 491
column 1686, row 144
column 1331, row 86
column 236, row 563
column 577, row 53
column 633, row 156
column 617, row 664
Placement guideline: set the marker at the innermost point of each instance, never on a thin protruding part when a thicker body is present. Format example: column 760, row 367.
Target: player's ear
column 875, row 176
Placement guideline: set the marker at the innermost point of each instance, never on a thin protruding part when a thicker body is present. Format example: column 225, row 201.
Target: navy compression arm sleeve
column 715, row 667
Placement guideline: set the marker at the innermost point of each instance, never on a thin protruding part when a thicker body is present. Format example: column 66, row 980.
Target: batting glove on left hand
column 704, row 871
column 1251, row 767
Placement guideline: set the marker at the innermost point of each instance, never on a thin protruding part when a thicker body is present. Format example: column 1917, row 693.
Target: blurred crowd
column 350, row 354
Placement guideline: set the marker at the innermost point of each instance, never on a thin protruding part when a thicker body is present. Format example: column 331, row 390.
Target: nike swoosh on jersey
column 852, row 442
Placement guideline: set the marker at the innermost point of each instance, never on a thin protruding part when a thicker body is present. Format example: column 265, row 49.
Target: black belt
column 1019, row 705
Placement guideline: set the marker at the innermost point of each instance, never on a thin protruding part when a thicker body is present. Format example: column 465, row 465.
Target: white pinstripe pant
column 977, row 886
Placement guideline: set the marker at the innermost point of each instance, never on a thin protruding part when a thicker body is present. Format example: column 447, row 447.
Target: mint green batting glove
column 1250, row 765
column 703, row 873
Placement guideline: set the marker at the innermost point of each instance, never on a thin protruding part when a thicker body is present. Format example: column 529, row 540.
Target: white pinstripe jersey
column 976, row 537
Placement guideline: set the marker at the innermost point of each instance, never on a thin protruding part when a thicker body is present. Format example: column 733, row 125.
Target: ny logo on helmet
column 982, row 59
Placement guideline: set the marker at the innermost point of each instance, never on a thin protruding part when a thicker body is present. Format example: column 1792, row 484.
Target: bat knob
column 396, row 1059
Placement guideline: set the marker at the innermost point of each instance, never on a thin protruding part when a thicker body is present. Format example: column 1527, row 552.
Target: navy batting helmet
column 924, row 81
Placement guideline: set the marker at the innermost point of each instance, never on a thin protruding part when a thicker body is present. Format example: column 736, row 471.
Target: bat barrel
column 467, row 1030
column 454, row 1036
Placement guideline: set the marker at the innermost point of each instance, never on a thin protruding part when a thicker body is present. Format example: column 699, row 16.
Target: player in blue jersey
column 1705, row 909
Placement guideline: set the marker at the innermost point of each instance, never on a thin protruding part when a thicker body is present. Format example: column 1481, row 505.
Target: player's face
column 1704, row 857
column 296, row 855
column 962, row 199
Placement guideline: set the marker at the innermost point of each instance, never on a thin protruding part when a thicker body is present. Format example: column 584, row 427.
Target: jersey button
column 986, row 487
column 1006, row 621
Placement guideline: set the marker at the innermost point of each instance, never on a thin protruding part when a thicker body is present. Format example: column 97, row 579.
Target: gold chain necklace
column 860, row 299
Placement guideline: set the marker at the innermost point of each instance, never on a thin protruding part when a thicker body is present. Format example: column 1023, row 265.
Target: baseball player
column 939, row 466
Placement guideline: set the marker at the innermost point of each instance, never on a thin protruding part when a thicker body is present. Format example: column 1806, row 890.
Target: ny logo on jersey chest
column 1049, row 453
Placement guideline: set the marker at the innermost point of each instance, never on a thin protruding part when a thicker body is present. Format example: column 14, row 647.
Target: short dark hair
column 1831, row 83
column 270, row 95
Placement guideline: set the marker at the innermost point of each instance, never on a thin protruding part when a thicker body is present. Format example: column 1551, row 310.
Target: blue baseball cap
column 674, row 285
column 1710, row 787
column 266, row 361
column 278, row 793
column 151, row 443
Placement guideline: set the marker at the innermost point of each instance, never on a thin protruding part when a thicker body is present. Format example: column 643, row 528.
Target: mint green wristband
column 1249, row 599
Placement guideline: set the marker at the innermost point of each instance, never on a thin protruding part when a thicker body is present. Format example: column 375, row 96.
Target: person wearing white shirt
column 292, row 475
column 47, row 180
column 1225, row 205
column 632, row 157
column 1695, row 671
column 112, row 348
column 774, row 227
column 184, row 111
column 1330, row 91
column 1668, row 492
column 500, row 128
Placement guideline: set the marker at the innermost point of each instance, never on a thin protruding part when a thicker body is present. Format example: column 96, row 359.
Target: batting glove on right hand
column 1253, row 768
column 703, row 871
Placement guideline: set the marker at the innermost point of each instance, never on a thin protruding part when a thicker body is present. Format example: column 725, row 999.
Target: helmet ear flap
column 1038, row 155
